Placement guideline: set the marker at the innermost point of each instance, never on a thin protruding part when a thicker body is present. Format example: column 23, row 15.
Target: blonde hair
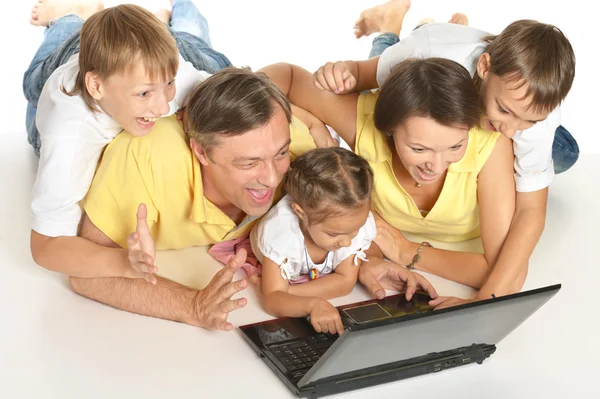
column 537, row 55
column 116, row 39
column 327, row 181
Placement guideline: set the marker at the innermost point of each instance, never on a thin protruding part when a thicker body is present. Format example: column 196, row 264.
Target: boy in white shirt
column 522, row 75
column 87, row 82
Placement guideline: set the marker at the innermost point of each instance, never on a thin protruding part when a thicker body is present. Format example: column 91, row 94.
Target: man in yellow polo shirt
column 239, row 134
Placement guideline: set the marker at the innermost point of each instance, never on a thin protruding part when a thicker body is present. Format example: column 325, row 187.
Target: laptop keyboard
column 298, row 356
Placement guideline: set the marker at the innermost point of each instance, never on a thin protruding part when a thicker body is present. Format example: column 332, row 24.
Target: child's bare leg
column 424, row 21
column 44, row 11
column 459, row 19
column 384, row 18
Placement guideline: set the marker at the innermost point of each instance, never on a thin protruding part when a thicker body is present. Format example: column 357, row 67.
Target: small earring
column 389, row 134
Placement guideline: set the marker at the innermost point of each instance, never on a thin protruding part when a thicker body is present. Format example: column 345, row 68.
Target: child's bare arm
column 280, row 302
column 333, row 285
column 339, row 112
column 318, row 130
column 347, row 76
column 510, row 270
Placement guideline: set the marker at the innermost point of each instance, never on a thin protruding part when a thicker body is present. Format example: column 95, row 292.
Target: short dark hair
column 437, row 88
column 232, row 102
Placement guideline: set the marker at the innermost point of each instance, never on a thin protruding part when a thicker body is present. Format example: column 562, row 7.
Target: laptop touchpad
column 367, row 313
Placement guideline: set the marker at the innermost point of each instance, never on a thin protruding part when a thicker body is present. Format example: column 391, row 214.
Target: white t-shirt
column 73, row 139
column 534, row 169
column 278, row 237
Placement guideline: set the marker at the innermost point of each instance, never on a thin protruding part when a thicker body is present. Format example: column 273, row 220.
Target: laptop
column 388, row 340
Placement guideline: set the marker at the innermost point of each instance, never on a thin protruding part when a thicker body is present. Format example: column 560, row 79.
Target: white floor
column 58, row 345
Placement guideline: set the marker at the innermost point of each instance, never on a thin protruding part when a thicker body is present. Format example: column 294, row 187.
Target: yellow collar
column 204, row 211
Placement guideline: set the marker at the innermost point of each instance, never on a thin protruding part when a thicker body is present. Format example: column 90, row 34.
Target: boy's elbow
column 75, row 284
column 38, row 244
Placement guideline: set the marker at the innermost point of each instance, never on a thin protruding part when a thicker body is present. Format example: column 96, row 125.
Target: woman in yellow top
column 437, row 174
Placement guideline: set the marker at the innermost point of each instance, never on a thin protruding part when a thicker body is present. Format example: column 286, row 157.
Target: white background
column 56, row 344
column 311, row 32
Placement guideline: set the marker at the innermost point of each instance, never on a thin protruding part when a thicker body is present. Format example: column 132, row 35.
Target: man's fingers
column 233, row 304
column 324, row 327
column 225, row 275
column 143, row 258
column 149, row 278
column 226, row 326
column 133, row 239
column 142, row 223
column 141, row 261
column 239, row 258
column 146, row 268
column 229, row 290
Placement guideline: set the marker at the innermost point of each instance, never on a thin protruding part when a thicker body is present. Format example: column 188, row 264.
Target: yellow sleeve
column 122, row 182
column 370, row 143
column 302, row 141
column 486, row 141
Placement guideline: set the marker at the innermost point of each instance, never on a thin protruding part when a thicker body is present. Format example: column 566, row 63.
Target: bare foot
column 459, row 19
column 164, row 15
column 383, row 18
column 45, row 11
column 425, row 21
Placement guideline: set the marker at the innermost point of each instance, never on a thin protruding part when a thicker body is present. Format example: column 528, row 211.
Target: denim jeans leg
column 565, row 150
column 199, row 53
column 61, row 41
column 185, row 17
column 381, row 42
column 54, row 38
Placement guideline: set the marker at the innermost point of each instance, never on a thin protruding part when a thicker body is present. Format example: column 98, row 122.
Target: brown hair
column 118, row 38
column 437, row 88
column 536, row 54
column 324, row 180
column 232, row 102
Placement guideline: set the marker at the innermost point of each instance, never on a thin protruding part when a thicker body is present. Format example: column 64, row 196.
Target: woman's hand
column 442, row 302
column 378, row 275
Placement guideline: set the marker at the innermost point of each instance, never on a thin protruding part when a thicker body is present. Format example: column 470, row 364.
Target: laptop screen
column 485, row 322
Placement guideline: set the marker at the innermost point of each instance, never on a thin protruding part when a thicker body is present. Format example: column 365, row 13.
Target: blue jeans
column 565, row 150
column 61, row 41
